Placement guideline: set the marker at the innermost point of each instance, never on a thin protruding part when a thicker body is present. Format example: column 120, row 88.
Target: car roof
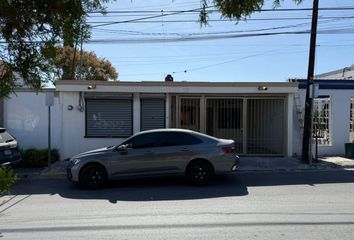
column 177, row 130
column 168, row 130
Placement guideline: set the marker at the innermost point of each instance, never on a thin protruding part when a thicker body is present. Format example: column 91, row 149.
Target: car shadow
column 177, row 188
column 144, row 189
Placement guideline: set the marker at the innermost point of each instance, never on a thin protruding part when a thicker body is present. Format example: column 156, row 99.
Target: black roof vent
column 168, row 78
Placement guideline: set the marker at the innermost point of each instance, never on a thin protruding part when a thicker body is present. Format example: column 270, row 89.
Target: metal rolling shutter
column 109, row 117
column 152, row 114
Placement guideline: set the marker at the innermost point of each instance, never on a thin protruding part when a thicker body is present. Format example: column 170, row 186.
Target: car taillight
column 230, row 149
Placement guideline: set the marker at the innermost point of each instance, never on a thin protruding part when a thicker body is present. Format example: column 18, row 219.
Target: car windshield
column 5, row 137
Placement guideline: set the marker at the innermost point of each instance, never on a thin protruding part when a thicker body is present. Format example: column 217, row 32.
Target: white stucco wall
column 73, row 124
column 26, row 118
column 339, row 122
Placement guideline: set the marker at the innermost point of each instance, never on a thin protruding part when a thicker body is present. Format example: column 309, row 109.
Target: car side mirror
column 123, row 147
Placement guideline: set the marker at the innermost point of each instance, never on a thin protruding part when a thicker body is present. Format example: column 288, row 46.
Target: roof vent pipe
column 168, row 78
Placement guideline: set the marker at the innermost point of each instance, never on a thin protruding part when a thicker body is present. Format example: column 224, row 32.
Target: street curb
column 280, row 170
column 297, row 170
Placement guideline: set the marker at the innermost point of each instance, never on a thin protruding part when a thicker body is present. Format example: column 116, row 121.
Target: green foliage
column 32, row 29
column 7, row 179
column 235, row 9
column 92, row 67
column 37, row 158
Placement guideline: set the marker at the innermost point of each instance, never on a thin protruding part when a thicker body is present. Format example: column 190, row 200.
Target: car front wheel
column 199, row 173
column 93, row 176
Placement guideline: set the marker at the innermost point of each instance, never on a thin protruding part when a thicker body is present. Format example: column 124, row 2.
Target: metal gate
column 224, row 119
column 265, row 126
column 257, row 125
column 190, row 113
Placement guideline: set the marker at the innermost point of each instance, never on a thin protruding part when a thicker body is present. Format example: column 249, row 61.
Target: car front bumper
column 72, row 172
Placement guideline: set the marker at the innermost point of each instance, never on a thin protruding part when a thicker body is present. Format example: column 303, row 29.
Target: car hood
column 93, row 152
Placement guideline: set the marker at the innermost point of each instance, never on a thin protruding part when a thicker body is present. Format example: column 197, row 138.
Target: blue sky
column 147, row 50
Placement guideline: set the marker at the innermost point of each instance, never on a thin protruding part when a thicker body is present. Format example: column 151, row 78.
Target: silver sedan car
column 156, row 152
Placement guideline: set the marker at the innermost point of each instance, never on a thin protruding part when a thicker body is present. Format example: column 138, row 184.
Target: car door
column 174, row 151
column 137, row 157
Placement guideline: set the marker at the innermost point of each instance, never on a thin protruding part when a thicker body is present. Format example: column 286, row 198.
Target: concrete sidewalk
column 294, row 164
column 275, row 164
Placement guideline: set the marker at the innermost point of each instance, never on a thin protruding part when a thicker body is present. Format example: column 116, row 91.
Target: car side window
column 177, row 139
column 147, row 140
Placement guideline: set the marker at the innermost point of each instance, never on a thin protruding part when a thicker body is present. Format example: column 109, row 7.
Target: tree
column 30, row 30
column 90, row 67
column 235, row 9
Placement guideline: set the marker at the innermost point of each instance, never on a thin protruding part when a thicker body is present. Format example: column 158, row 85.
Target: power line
column 209, row 33
column 349, row 30
column 144, row 18
column 215, row 20
column 347, row 8
column 199, row 9
column 202, row 38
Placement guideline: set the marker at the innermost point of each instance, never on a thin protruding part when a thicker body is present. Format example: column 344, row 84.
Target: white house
column 262, row 118
column 256, row 115
column 333, row 115
column 343, row 73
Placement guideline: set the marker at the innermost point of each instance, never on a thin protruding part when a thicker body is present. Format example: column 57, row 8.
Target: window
column 146, row 140
column 108, row 117
column 351, row 126
column 321, row 120
column 177, row 138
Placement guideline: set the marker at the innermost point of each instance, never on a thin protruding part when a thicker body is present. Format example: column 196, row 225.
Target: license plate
column 7, row 152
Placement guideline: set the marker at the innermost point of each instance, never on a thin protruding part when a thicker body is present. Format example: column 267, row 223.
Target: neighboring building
column 256, row 115
column 340, row 74
column 333, row 119
column 26, row 118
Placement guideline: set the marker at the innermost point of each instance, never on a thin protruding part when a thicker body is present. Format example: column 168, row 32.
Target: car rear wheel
column 199, row 173
column 93, row 176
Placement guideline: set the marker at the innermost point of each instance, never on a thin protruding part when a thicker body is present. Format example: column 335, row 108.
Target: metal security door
column 189, row 113
column 152, row 114
column 266, row 126
column 224, row 119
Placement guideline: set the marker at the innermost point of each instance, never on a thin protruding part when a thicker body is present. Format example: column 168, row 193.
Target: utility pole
column 307, row 136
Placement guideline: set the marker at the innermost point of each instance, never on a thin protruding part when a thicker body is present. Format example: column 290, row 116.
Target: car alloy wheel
column 93, row 177
column 200, row 173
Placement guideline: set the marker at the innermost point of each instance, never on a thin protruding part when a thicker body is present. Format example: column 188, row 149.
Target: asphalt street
column 247, row 205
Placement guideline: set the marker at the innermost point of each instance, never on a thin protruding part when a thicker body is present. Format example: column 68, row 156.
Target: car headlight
column 75, row 161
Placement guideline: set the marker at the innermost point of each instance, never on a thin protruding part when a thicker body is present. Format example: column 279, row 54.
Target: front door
column 224, row 119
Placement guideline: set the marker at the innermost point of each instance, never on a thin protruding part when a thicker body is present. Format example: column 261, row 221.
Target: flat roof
column 328, row 84
column 175, row 83
column 178, row 87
